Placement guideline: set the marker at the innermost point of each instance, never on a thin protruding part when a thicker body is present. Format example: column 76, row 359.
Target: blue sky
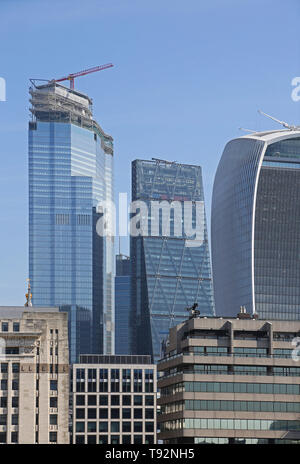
column 187, row 75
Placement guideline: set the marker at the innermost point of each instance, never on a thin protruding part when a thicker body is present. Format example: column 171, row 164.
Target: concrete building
column 255, row 226
column 230, row 381
column 114, row 400
column 71, row 262
column 34, row 376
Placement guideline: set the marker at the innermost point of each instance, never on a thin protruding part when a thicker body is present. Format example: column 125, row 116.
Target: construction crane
column 71, row 77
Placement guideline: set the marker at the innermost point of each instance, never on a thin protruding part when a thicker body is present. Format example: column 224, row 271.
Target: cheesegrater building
column 70, row 171
column 256, row 226
column 168, row 272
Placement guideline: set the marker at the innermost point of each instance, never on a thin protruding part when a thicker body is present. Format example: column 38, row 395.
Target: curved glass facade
column 256, row 226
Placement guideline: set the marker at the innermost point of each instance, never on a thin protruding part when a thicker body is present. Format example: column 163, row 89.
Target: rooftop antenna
column 284, row 124
column 28, row 295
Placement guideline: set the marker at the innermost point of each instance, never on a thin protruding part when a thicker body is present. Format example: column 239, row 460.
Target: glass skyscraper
column 256, row 226
column 122, row 304
column 168, row 273
column 70, row 171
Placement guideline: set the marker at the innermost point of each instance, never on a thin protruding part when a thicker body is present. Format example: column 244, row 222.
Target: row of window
column 115, row 413
column 239, row 351
column 225, row 405
column 114, row 439
column 127, row 400
column 5, row 326
column 237, row 370
column 115, row 427
column 229, row 424
column 4, row 384
column 233, row 387
column 14, row 419
column 15, row 367
column 14, row 402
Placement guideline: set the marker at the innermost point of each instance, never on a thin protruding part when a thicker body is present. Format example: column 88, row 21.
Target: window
column 115, row 413
column 2, row 419
column 53, row 437
column 138, row 439
column 15, row 384
column 3, row 384
column 103, row 380
column 103, row 427
column 149, row 427
column 80, row 380
column 115, row 439
column 126, row 427
column 53, row 385
column 126, row 439
column 16, row 326
column 103, row 440
column 53, row 419
column 114, row 380
column 149, row 439
column 80, row 427
column 138, row 400
column 80, row 440
column 80, row 400
column 114, row 427
column 14, row 419
column 4, row 326
column 53, row 402
column 126, row 380
column 138, row 426
column 138, row 413
column 80, row 413
column 92, row 413
column 126, row 400
column 103, row 400
column 138, row 385
column 126, row 413
column 15, row 368
column 115, row 400
column 91, row 427
column 149, row 413
column 92, row 386
column 92, row 400
column 92, row 439
column 149, row 400
column 14, row 437
column 103, row 413
column 4, row 368
column 3, row 402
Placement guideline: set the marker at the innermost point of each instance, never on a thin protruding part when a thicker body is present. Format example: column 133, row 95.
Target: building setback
column 114, row 400
column 167, row 273
column 70, row 172
column 255, row 226
column 122, row 304
column 34, row 373
column 230, row 381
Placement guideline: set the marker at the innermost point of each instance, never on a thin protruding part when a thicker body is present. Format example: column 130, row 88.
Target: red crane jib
column 71, row 77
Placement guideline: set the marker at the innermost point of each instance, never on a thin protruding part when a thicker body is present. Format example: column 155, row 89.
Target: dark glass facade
column 255, row 226
column 122, row 304
column 168, row 274
column 70, row 171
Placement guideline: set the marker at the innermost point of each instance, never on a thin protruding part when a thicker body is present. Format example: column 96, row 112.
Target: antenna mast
column 284, row 124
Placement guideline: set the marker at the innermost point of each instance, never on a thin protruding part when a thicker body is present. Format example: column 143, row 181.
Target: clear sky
column 187, row 75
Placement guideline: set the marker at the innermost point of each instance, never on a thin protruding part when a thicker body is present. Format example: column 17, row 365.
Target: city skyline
column 178, row 84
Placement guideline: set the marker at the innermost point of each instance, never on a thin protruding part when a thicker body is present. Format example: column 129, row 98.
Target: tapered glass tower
column 70, row 172
column 256, row 226
column 170, row 271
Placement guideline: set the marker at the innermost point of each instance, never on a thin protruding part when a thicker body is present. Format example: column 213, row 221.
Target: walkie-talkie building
column 70, row 171
column 169, row 271
column 256, row 226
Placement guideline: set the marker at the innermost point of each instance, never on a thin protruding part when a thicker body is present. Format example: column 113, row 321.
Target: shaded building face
column 168, row 274
column 70, row 171
column 122, row 305
column 255, row 226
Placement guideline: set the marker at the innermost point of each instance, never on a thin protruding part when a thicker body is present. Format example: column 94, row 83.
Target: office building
column 255, row 226
column 230, row 381
column 122, row 304
column 70, row 171
column 114, row 400
column 169, row 273
column 34, row 376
